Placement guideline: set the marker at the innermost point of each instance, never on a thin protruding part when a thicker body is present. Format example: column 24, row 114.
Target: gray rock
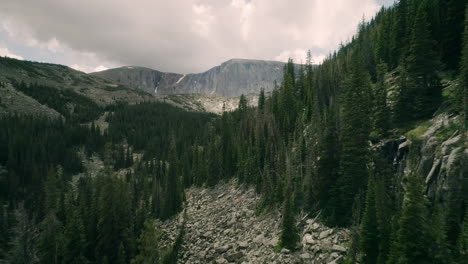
column 305, row 256
column 234, row 257
column 221, row 249
column 285, row 251
column 243, row 245
column 337, row 260
column 259, row 239
column 221, row 261
column 338, row 248
column 232, row 78
column 308, row 239
column 325, row 233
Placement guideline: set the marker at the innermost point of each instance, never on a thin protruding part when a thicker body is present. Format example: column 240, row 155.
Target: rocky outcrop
column 436, row 152
column 221, row 226
column 443, row 159
column 230, row 79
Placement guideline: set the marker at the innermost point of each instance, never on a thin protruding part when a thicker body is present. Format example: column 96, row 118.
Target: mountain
column 230, row 79
column 45, row 85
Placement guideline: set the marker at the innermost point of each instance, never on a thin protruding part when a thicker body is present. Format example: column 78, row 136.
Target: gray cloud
column 182, row 35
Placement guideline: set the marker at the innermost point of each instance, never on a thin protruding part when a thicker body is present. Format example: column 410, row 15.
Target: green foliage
column 310, row 137
column 462, row 91
column 289, row 236
column 354, row 140
column 422, row 64
column 73, row 106
column 148, row 244
column 369, row 226
column 413, row 237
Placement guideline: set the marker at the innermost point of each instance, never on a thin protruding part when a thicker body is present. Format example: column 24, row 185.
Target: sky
column 183, row 36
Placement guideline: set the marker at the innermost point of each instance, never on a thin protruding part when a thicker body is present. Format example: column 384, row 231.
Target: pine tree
column 148, row 244
column 354, row 138
column 261, row 100
column 24, row 239
column 462, row 91
column 438, row 229
column 400, row 31
column 121, row 256
column 369, row 226
column 288, row 237
column 422, row 65
column 413, row 239
column 75, row 241
column 381, row 114
column 51, row 240
column 453, row 37
column 462, row 243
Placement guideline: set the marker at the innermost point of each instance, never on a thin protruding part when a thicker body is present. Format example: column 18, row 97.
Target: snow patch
column 130, row 67
column 180, row 79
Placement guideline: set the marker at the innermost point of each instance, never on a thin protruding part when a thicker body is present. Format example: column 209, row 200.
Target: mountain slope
column 35, row 88
column 231, row 78
column 100, row 90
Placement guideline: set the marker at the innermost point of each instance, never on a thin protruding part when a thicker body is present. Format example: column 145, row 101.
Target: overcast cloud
column 176, row 35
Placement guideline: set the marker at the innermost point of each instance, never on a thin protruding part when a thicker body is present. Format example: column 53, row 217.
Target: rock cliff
column 230, row 79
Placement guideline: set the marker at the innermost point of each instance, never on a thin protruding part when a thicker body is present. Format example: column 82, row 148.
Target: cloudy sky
column 181, row 36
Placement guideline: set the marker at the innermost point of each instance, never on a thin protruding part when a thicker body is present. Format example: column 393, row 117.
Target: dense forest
column 308, row 146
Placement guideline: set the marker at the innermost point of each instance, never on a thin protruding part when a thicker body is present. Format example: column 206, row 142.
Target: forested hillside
column 373, row 139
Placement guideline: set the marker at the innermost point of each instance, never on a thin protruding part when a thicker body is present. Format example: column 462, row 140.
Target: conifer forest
column 344, row 141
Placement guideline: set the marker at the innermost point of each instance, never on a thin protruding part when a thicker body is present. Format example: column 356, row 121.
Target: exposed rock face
column 221, row 227
column 440, row 156
column 206, row 103
column 444, row 160
column 232, row 78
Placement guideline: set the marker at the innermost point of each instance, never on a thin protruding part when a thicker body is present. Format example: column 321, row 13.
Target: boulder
column 325, row 233
column 308, row 239
column 221, row 249
column 234, row 257
column 305, row 256
column 243, row 244
column 221, row 261
column 338, row 248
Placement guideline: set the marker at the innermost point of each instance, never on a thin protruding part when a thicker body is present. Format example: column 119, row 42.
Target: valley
column 362, row 158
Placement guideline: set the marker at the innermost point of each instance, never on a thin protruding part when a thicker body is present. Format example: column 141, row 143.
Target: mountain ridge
column 229, row 79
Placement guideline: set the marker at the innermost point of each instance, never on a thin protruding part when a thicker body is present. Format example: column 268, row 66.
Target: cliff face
column 230, row 79
column 437, row 152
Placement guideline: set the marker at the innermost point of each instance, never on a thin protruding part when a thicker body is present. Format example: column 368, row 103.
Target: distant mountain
column 230, row 79
column 53, row 86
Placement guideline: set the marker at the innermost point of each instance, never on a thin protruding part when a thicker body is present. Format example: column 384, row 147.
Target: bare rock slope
column 230, row 79
column 221, row 226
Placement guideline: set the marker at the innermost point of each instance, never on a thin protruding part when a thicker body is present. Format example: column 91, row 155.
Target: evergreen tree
column 148, row 244
column 369, row 226
column 453, row 37
column 422, row 65
column 261, row 100
column 462, row 91
column 381, row 114
column 51, row 240
column 354, row 140
column 288, row 237
column 413, row 239
column 400, row 31
column 75, row 240
column 438, row 229
column 24, row 239
column 462, row 243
